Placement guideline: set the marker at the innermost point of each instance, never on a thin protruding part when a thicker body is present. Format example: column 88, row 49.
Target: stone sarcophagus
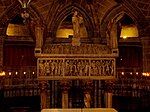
column 88, row 61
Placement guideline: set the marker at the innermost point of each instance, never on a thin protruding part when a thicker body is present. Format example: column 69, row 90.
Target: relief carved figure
column 53, row 67
column 76, row 67
column 94, row 68
column 41, row 68
column 60, row 67
column 86, row 68
column 47, row 67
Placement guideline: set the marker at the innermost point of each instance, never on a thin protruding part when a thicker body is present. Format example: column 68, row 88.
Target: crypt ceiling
column 47, row 11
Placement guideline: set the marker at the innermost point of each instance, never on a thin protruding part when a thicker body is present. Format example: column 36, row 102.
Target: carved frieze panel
column 76, row 68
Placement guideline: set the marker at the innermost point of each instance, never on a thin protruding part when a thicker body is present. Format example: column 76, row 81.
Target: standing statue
column 77, row 20
column 87, row 100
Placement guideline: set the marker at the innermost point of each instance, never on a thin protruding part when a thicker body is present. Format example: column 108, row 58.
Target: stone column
column 108, row 100
column 39, row 32
column 87, row 86
column 108, row 94
column 44, row 95
column 146, row 54
column 65, row 87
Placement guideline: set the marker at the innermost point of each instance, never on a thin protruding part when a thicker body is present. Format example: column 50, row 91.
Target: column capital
column 87, row 85
column 43, row 85
column 109, row 85
column 65, row 85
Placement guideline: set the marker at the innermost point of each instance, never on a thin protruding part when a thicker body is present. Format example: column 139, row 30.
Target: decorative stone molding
column 82, row 49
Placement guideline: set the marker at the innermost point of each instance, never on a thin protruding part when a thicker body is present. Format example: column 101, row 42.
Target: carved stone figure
column 87, row 100
column 77, row 21
column 41, row 68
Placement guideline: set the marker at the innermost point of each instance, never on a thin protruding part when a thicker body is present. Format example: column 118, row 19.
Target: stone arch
column 61, row 14
column 116, row 15
column 12, row 11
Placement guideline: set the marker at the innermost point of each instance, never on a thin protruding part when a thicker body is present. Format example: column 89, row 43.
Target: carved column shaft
column 108, row 93
column 108, row 100
column 65, row 88
column 87, row 87
column 146, row 56
column 44, row 95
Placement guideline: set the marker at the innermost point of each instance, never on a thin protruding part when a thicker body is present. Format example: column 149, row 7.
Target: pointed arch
column 14, row 10
column 55, row 20
column 116, row 13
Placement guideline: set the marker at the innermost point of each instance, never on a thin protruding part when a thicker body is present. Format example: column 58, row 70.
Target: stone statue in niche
column 77, row 21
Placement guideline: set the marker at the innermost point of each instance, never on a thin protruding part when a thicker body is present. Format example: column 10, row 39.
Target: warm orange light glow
column 129, row 31
column 9, row 73
column 64, row 33
column 2, row 73
column 146, row 74
column 17, row 30
column 122, row 73
column 124, row 37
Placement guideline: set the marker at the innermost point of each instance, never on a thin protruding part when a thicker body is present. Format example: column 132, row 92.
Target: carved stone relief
column 76, row 67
